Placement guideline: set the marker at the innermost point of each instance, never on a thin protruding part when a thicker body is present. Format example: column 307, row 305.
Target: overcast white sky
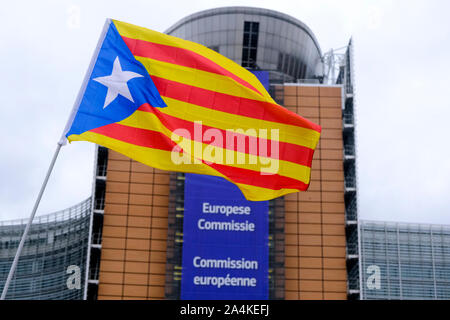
column 402, row 102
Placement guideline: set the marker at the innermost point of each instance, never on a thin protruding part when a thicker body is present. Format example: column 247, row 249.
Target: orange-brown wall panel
column 141, row 188
column 136, row 267
column 137, row 255
column 307, row 102
column 114, row 220
column 291, row 295
column 306, row 91
column 335, row 113
column 140, row 210
column 133, row 254
column 119, row 165
column 325, row 91
column 111, row 266
column 310, row 295
column 331, row 134
column 330, row 102
column 110, row 289
column 135, row 290
column 113, row 243
column 138, row 244
column 307, row 218
column 309, row 112
column 113, row 254
column 310, row 274
column 307, row 228
column 138, row 232
column 111, row 277
column 136, row 278
column 311, row 262
column 118, row 176
column 332, row 144
column 333, row 218
column 290, row 101
column 334, row 263
column 119, row 187
column 315, row 220
column 290, row 91
column 335, row 296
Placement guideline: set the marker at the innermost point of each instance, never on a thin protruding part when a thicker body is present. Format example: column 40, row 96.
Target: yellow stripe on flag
column 159, row 159
column 227, row 121
column 140, row 33
column 149, row 121
column 198, row 78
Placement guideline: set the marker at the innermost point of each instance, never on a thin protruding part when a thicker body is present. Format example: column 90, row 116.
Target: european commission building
column 152, row 234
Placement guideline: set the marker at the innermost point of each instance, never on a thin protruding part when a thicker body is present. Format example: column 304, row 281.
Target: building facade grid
column 55, row 242
column 409, row 261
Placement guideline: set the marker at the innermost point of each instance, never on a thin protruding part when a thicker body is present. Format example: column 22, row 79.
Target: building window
column 250, row 44
column 215, row 48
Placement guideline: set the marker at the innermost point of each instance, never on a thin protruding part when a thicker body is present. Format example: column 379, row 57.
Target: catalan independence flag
column 176, row 105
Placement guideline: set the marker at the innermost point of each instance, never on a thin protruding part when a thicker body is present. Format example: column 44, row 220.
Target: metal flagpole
column 27, row 228
column 62, row 141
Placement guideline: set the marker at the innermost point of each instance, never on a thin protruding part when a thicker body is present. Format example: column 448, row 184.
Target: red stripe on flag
column 157, row 140
column 180, row 56
column 231, row 104
column 287, row 151
column 136, row 136
column 255, row 178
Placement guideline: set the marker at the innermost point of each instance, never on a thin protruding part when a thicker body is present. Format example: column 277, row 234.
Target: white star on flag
column 117, row 83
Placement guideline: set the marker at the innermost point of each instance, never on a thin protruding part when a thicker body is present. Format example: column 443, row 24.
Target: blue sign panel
column 263, row 77
column 225, row 242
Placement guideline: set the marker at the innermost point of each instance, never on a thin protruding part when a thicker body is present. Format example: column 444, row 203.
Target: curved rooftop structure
column 257, row 39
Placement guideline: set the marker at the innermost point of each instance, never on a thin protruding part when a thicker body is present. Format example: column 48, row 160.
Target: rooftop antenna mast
column 333, row 60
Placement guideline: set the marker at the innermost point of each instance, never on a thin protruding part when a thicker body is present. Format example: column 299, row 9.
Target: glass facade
column 54, row 252
column 250, row 44
column 404, row 261
column 256, row 38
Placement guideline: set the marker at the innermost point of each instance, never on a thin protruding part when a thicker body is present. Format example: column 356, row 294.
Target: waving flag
column 176, row 105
